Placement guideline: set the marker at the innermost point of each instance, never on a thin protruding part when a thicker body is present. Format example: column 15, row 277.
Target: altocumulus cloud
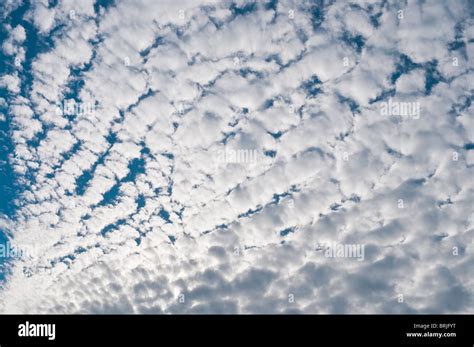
column 346, row 128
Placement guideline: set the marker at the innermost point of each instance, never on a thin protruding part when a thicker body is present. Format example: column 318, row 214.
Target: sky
column 273, row 156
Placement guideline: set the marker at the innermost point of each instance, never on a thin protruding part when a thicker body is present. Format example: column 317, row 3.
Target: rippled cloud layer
column 237, row 156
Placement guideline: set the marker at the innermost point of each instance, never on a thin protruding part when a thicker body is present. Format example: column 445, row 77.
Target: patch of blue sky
column 82, row 182
column 357, row 42
column 312, row 86
column 287, row 231
column 165, row 215
column 404, row 65
column 9, row 189
column 9, row 186
column 353, row 105
column 135, row 167
column 432, row 76
column 113, row 226
column 105, row 4
column 317, row 14
column 270, row 153
column 34, row 43
column 243, row 10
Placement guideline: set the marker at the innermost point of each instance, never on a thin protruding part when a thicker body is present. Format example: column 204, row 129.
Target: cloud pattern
column 116, row 116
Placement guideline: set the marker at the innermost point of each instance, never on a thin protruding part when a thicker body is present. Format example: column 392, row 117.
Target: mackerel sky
column 273, row 156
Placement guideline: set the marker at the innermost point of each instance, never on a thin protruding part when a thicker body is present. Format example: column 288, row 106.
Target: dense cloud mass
column 210, row 156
